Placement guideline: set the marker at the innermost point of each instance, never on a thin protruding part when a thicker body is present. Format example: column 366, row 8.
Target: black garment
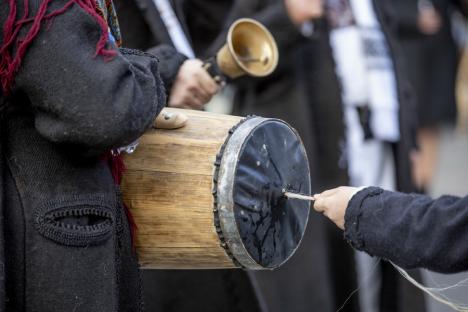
column 412, row 230
column 143, row 28
column 66, row 244
column 431, row 60
column 205, row 23
column 184, row 290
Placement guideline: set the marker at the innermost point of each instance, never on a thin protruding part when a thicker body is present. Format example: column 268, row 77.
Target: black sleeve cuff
column 170, row 62
column 354, row 212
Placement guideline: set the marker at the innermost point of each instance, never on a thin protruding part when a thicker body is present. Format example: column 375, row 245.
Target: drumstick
column 291, row 195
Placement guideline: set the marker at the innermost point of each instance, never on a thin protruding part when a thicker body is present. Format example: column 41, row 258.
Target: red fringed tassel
column 10, row 64
column 118, row 168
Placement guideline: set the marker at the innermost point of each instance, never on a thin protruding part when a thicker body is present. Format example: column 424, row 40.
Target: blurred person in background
column 425, row 33
column 379, row 125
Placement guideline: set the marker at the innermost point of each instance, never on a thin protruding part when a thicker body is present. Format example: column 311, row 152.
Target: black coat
column 305, row 92
column 411, row 230
column 143, row 27
column 184, row 290
column 65, row 242
column 431, row 61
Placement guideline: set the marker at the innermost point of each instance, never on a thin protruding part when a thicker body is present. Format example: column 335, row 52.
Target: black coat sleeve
column 170, row 62
column 83, row 100
column 405, row 15
column 409, row 229
column 204, row 20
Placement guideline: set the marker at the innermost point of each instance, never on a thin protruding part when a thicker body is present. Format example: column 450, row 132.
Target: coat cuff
column 353, row 214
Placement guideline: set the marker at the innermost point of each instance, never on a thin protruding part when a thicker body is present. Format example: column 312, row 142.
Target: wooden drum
column 210, row 194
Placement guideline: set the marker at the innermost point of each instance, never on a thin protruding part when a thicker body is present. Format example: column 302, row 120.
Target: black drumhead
column 272, row 158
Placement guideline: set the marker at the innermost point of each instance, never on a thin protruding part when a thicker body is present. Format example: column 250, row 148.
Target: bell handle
column 211, row 66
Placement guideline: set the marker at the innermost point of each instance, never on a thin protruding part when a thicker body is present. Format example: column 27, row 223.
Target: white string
column 435, row 293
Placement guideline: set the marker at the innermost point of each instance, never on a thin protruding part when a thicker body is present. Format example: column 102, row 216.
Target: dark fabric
column 411, row 230
column 271, row 226
column 203, row 25
column 3, row 230
column 199, row 291
column 15, row 247
column 67, row 241
column 169, row 64
column 143, row 27
column 182, row 290
column 431, row 61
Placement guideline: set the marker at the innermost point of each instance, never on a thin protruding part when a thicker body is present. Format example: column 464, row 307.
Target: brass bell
column 250, row 49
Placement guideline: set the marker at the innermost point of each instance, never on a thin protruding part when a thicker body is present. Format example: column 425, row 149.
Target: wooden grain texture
column 168, row 188
column 195, row 258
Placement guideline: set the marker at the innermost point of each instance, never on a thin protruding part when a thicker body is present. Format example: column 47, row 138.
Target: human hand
column 301, row 11
column 429, row 20
column 333, row 203
column 193, row 86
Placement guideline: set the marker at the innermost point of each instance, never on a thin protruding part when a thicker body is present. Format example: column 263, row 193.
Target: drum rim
column 231, row 238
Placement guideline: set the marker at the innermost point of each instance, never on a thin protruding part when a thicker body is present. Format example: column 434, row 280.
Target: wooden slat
column 184, row 258
column 174, row 158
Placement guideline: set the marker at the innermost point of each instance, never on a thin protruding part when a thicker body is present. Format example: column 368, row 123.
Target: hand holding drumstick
column 333, row 203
